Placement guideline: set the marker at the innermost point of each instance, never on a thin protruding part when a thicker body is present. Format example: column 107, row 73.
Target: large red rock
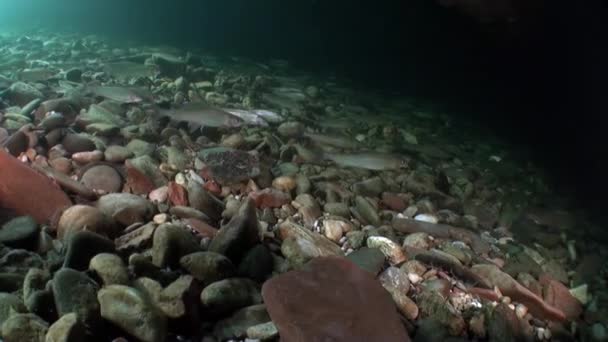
column 559, row 296
column 332, row 299
column 28, row 192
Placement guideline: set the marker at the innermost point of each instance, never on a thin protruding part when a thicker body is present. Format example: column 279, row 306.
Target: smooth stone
column 20, row 232
column 396, row 282
column 102, row 129
column 240, row 234
column 130, row 310
column 140, row 148
column 83, row 217
column 74, row 143
column 348, row 303
column 149, row 167
column 75, row 292
column 370, row 187
column 389, row 248
column 257, row 264
column 237, row 325
column 170, row 243
column 337, row 209
column 83, row 246
column 367, row 211
column 24, row 327
column 68, row 328
column 102, row 177
column 35, row 280
column 52, row 121
column 117, row 154
column 300, row 244
column 369, row 259
column 207, row 267
column 10, row 303
column 110, row 269
column 203, row 201
column 356, row 239
column 126, row 208
column 177, row 300
column 264, row 331
column 177, row 158
column 19, row 261
column 227, row 295
column 138, row 239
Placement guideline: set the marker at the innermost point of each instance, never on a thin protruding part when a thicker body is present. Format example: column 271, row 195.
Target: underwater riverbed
column 218, row 198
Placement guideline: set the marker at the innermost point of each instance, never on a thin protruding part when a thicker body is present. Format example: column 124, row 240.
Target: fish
column 120, row 94
column 258, row 117
column 332, row 140
column 202, row 114
column 35, row 75
column 375, row 161
column 127, row 69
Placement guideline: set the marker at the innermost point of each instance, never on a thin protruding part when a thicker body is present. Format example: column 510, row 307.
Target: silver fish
column 127, row 69
column 368, row 160
column 332, row 140
column 201, row 114
column 119, row 94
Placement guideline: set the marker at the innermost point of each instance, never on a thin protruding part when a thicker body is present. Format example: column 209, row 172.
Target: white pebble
column 414, row 278
column 427, row 218
column 180, row 179
column 521, row 311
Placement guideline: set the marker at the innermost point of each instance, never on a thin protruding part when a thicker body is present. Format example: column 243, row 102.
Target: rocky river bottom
column 153, row 194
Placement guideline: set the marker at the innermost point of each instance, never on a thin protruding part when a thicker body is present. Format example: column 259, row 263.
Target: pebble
column 82, row 246
column 102, row 177
column 170, row 243
column 130, row 310
column 23, row 327
column 75, row 292
column 20, row 232
column 126, row 208
column 264, row 331
column 83, row 217
column 237, row 325
column 68, row 328
column 227, row 295
column 284, row 183
column 117, row 154
column 367, row 211
column 430, row 218
column 207, row 267
column 74, row 143
column 389, row 248
column 110, row 269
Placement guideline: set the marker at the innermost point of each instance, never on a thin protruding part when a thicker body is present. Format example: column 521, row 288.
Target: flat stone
column 227, row 295
column 240, row 234
column 207, row 267
column 130, row 310
column 102, row 177
column 68, row 328
column 125, row 208
column 137, row 239
column 237, row 325
column 75, row 292
column 110, row 269
column 227, row 166
column 117, row 154
column 301, row 245
column 149, row 167
column 37, row 195
column 367, row 211
column 74, row 143
column 348, row 304
column 20, row 232
column 170, row 243
column 83, row 217
column 369, row 259
column 23, row 327
column 9, row 303
column 264, row 331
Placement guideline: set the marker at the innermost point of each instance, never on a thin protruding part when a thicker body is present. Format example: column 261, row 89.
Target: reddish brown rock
column 177, row 194
column 332, row 299
column 202, row 228
column 393, row 201
column 27, row 192
column 559, row 296
column 137, row 182
column 510, row 287
column 270, row 198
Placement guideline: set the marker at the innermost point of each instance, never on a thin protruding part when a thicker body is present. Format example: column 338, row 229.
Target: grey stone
column 237, row 325
column 239, row 235
column 227, row 295
column 83, row 246
column 20, row 232
column 207, row 267
column 170, row 243
column 75, row 292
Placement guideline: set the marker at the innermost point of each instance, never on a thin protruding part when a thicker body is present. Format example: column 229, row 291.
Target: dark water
column 538, row 83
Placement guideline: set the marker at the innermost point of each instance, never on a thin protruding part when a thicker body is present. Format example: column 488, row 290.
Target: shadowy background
column 533, row 71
